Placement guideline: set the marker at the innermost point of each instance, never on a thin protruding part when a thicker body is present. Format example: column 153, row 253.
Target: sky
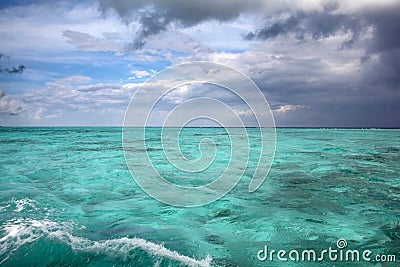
column 319, row 63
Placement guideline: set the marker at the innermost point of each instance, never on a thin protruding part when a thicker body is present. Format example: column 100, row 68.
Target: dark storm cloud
column 382, row 58
column 369, row 97
column 156, row 16
column 382, row 51
column 17, row 70
column 385, row 22
column 364, row 98
column 151, row 25
column 331, row 102
column 291, row 24
column 383, row 71
column 186, row 12
column 333, row 99
column 313, row 25
column 12, row 70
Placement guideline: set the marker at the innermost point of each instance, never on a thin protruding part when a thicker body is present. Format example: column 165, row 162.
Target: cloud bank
column 319, row 62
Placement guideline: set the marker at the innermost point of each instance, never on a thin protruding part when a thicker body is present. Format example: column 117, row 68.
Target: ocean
column 68, row 199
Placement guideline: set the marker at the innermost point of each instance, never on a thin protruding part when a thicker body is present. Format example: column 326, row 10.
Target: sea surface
column 67, row 198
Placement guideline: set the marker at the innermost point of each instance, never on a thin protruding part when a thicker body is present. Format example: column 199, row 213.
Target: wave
column 22, row 231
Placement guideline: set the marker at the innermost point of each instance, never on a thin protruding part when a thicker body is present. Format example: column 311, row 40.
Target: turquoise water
column 68, row 199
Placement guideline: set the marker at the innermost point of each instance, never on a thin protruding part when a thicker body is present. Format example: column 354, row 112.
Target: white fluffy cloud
column 10, row 105
column 286, row 108
column 141, row 74
column 29, row 31
column 69, row 96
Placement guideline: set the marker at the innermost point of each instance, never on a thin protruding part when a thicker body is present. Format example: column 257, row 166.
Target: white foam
column 22, row 231
column 21, row 204
column 4, row 207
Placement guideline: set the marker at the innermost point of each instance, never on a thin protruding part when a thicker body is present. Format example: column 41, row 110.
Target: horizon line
column 277, row 127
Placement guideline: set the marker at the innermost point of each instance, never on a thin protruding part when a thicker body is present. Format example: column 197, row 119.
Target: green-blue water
column 68, row 199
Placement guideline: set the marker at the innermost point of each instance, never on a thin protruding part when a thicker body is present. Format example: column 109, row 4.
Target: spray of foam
column 22, row 204
column 22, row 231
